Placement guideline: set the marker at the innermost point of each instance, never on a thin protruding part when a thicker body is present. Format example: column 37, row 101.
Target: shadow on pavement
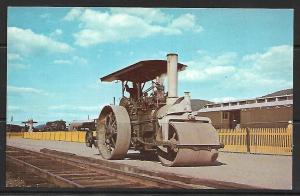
column 151, row 156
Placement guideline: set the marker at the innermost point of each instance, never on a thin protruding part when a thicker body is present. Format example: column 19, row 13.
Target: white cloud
column 276, row 61
column 121, row 24
column 209, row 67
column 62, row 61
column 17, row 65
column 46, row 15
column 57, row 32
column 148, row 14
column 89, row 108
column 223, row 99
column 12, row 108
column 25, row 42
column 74, row 108
column 208, row 73
column 249, row 78
column 79, row 60
column 58, row 107
column 26, row 90
column 13, row 57
column 202, row 52
column 75, row 60
column 268, row 69
column 185, row 21
column 15, row 61
column 73, row 14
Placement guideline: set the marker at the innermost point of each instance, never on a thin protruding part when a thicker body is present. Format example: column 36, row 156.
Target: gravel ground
column 267, row 171
column 13, row 181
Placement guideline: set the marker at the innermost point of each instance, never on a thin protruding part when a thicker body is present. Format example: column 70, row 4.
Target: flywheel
column 113, row 132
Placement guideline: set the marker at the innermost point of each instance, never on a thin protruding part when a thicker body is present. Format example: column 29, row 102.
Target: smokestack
column 172, row 61
column 30, row 123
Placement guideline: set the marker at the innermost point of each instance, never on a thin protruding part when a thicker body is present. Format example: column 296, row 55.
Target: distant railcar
column 58, row 125
column 14, row 128
column 85, row 125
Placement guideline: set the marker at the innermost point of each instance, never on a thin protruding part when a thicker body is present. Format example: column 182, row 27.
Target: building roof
column 29, row 121
column 239, row 106
column 142, row 71
column 279, row 98
column 280, row 93
column 197, row 104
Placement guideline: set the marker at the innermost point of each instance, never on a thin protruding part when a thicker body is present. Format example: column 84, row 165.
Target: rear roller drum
column 113, row 132
column 193, row 134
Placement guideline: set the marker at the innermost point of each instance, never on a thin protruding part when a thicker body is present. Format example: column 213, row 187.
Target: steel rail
column 59, row 178
column 125, row 172
column 191, row 181
column 55, row 179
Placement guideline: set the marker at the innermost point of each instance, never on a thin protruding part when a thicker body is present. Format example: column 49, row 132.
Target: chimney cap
column 172, row 54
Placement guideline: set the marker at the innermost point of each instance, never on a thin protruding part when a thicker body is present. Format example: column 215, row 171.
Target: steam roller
column 155, row 121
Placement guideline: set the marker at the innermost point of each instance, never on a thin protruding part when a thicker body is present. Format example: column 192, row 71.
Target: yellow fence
column 233, row 140
column 257, row 140
column 253, row 140
column 271, row 141
column 15, row 134
column 68, row 136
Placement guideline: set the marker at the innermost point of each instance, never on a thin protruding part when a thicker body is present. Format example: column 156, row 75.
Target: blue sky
column 57, row 55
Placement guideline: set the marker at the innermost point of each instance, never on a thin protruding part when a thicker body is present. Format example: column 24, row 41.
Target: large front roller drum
column 190, row 133
column 113, row 132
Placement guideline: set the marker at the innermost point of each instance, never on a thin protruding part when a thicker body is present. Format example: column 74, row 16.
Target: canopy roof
column 29, row 121
column 142, row 71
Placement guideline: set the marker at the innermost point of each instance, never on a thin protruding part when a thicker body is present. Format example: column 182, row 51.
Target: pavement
column 266, row 171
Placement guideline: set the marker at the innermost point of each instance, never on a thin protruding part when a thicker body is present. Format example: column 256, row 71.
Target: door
column 234, row 118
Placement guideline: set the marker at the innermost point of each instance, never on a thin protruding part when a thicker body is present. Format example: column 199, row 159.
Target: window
column 250, row 101
column 282, row 98
column 225, row 104
column 271, row 99
column 225, row 115
column 260, row 100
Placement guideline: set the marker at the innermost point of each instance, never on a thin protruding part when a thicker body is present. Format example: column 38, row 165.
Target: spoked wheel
column 167, row 155
column 113, row 132
column 192, row 134
column 110, row 127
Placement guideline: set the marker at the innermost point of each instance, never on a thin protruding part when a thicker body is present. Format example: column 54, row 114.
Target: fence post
column 248, row 139
column 290, row 133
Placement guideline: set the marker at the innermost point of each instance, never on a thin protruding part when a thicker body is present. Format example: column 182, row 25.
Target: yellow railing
column 68, row 136
column 271, row 141
column 253, row 140
column 257, row 140
column 15, row 134
column 233, row 140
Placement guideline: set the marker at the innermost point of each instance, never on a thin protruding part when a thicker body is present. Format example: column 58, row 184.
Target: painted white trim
column 244, row 106
column 254, row 99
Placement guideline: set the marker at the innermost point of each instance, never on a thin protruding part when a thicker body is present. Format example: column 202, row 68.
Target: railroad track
column 69, row 170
